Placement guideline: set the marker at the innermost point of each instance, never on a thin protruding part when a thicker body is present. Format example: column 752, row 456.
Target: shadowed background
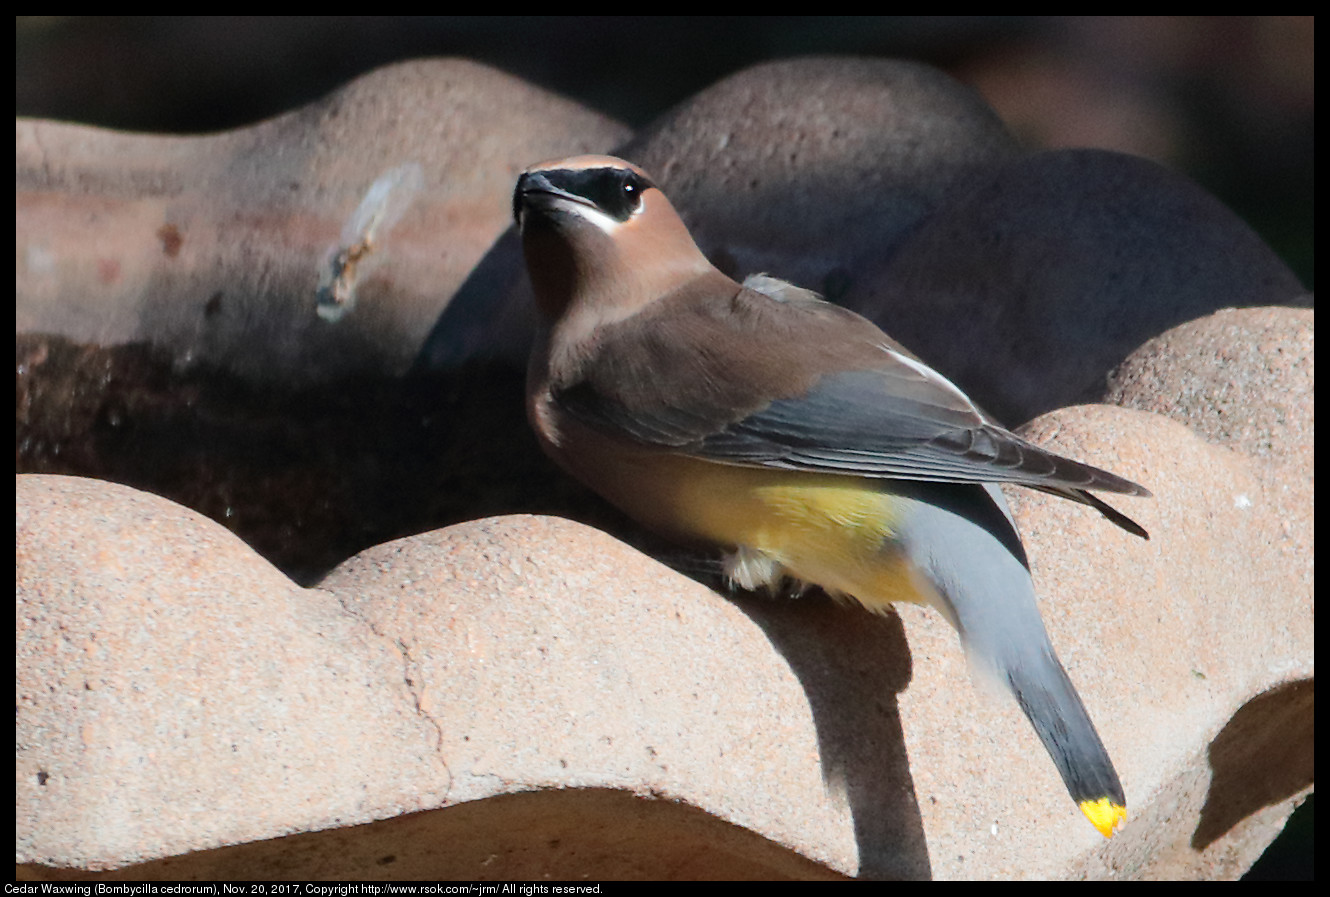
column 1230, row 101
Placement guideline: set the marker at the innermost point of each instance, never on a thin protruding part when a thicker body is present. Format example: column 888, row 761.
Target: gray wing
column 886, row 423
column 787, row 381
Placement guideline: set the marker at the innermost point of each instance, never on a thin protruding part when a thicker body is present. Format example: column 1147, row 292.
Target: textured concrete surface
column 177, row 691
column 171, row 684
column 522, row 697
column 1057, row 268
column 1242, row 378
column 224, row 249
column 811, row 169
column 845, row 155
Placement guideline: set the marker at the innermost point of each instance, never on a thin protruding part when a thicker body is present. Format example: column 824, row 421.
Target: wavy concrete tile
column 525, row 654
column 224, row 248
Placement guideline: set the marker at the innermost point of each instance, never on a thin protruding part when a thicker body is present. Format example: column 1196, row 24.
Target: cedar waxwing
column 792, row 433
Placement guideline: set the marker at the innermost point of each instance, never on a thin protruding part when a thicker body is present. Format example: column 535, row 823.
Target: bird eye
column 630, row 185
column 632, row 190
column 617, row 192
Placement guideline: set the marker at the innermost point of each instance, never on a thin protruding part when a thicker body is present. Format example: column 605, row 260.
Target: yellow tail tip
column 1104, row 815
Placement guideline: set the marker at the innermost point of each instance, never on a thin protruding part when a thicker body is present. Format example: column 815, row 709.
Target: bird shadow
column 852, row 666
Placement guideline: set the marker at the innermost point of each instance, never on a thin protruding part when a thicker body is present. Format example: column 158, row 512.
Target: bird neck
column 602, row 280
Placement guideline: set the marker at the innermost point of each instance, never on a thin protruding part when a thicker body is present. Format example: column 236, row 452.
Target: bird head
column 600, row 238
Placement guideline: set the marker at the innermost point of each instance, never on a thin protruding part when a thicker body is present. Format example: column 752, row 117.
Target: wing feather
column 821, row 390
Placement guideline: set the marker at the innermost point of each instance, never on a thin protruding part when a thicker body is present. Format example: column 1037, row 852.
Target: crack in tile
column 417, row 693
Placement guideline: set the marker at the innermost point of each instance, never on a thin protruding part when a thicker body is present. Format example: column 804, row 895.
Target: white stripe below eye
column 594, row 215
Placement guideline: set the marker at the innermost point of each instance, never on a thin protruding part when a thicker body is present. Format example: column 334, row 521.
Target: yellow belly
column 837, row 532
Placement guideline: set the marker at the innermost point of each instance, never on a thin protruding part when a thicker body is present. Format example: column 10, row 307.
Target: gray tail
column 973, row 556
column 1050, row 702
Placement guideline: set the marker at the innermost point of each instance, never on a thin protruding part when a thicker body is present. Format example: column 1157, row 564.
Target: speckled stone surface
column 175, row 690
column 219, row 249
column 520, row 655
column 1242, row 378
column 816, row 169
column 1057, row 268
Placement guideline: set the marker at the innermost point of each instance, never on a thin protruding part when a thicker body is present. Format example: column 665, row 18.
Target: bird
column 794, row 435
